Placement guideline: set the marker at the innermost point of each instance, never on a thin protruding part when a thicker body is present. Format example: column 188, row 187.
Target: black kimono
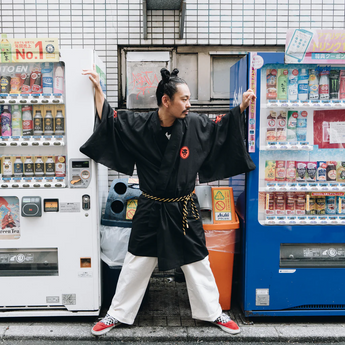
column 214, row 149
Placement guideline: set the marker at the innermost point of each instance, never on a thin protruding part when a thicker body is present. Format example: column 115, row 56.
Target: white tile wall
column 105, row 24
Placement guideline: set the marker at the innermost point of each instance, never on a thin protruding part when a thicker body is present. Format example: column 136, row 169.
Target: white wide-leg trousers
column 134, row 278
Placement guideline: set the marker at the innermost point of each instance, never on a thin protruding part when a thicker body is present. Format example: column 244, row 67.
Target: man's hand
column 247, row 97
column 99, row 96
column 93, row 76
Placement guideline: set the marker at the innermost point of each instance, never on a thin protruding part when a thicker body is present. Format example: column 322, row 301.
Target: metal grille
column 320, row 306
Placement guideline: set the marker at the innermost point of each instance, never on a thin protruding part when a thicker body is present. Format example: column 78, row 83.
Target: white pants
column 134, row 278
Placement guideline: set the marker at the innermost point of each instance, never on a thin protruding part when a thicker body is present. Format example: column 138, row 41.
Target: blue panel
column 238, row 81
column 312, row 289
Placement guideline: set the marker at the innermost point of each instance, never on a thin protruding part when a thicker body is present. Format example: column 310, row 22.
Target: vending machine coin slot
column 81, row 173
column 31, row 206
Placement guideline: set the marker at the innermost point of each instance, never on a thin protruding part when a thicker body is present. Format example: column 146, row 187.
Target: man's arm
column 247, row 97
column 99, row 96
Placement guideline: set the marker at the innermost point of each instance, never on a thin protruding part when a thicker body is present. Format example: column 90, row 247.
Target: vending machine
column 294, row 240
column 50, row 193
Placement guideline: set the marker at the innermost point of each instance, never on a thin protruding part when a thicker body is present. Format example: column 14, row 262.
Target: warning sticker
column 131, row 208
column 222, row 206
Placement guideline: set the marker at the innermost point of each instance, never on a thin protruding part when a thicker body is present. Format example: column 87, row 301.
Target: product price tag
column 29, row 50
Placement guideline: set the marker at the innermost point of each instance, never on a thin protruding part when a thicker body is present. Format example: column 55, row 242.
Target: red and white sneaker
column 226, row 324
column 105, row 325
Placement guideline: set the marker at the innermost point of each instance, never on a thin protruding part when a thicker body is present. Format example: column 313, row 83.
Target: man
column 169, row 146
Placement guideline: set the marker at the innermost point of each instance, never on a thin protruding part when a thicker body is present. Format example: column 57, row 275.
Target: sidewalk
column 165, row 317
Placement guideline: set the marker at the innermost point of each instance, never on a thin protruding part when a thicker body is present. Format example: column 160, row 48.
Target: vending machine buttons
column 31, row 206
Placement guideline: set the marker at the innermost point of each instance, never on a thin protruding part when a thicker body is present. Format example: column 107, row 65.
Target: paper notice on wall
column 337, row 133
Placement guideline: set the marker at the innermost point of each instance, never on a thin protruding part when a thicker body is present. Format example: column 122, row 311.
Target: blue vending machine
column 294, row 238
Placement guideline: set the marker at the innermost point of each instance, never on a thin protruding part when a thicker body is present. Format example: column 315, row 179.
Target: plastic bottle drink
column 293, row 87
column 58, row 79
column 16, row 121
column 7, row 167
column 59, row 123
column 50, row 167
column 39, row 167
column 5, row 84
column 48, row 123
column 303, row 85
column 6, row 122
column 5, row 48
column 37, row 86
column 342, row 85
column 282, row 84
column 324, row 84
column 313, row 84
column 18, row 167
column 38, row 123
column 27, row 120
column 26, row 89
column 28, row 167
column 47, row 77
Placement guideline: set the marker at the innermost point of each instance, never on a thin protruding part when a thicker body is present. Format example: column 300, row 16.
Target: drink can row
column 302, row 203
column 33, row 166
column 304, row 171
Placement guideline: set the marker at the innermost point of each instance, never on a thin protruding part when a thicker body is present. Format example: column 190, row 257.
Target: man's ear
column 165, row 101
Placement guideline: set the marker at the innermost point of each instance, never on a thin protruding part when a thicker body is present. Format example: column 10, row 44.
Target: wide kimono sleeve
column 227, row 155
column 106, row 144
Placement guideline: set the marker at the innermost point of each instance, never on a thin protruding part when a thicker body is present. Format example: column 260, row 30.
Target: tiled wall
column 103, row 25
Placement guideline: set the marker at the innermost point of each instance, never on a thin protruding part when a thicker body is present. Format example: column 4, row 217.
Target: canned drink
column 300, row 203
column 60, row 166
column 301, row 171
column 290, row 203
column 320, row 205
column 321, row 171
column 311, row 171
column 270, row 171
column 291, row 171
column 331, row 172
column 7, row 167
column 280, row 171
column 269, row 207
column 28, row 167
column 18, row 167
column 39, row 167
column 280, row 203
column 50, row 167
column 341, row 205
column 331, row 205
column 310, row 205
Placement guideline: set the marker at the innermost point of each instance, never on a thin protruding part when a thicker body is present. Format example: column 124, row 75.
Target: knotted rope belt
column 185, row 200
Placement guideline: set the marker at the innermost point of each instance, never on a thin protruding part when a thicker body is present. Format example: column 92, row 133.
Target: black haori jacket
column 213, row 149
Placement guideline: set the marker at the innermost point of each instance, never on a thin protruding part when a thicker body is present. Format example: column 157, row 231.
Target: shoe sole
column 228, row 330
column 105, row 330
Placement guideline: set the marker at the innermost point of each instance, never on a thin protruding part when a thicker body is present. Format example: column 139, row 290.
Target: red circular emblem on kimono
column 184, row 152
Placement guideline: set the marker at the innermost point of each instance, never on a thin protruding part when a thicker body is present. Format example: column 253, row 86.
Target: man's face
column 180, row 103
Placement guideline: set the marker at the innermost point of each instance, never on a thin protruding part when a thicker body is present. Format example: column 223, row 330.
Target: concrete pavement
column 165, row 317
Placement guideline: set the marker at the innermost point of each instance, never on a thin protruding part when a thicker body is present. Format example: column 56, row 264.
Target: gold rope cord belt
column 185, row 200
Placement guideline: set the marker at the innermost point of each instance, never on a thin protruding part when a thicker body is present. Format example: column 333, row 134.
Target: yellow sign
column 28, row 49
column 221, row 204
column 131, row 208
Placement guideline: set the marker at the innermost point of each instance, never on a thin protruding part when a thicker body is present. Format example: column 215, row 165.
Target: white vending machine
column 50, row 193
